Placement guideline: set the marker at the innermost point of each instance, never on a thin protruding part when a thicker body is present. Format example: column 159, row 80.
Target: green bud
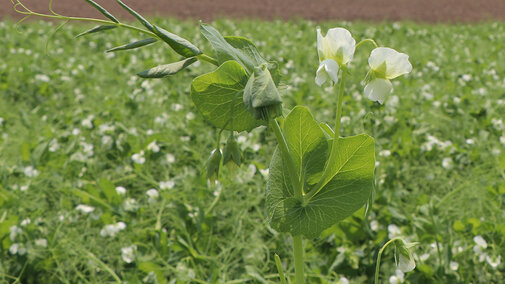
column 213, row 164
column 231, row 151
column 261, row 97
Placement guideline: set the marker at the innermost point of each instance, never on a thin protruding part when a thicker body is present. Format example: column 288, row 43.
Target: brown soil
column 432, row 11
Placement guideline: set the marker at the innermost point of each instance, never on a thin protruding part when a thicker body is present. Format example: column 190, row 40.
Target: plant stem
column 279, row 269
column 298, row 246
column 295, row 182
column 336, row 135
column 377, row 265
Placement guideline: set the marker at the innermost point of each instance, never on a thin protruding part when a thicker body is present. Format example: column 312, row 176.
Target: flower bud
column 213, row 164
column 261, row 97
column 231, row 152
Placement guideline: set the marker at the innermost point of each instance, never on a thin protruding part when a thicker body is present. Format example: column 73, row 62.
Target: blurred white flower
column 447, row 163
column 453, row 265
column 84, row 208
column 385, row 153
column 493, row 262
column 403, row 255
column 139, row 158
column 153, row 147
column 480, row 241
column 170, row 158
column 128, row 253
column 374, row 225
column 14, row 231
column 16, row 248
column 41, row 243
column 502, row 139
column 167, row 184
column 343, row 280
column 397, row 278
column 120, row 190
column 335, row 50
column 385, row 64
column 30, row 172
column 130, row 204
column 153, row 195
column 394, row 231
column 112, row 229
column 26, row 222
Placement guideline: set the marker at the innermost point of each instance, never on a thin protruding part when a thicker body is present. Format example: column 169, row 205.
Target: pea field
column 103, row 173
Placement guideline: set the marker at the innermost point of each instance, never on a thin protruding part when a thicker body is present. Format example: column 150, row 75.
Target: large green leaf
column 214, row 94
column 348, row 188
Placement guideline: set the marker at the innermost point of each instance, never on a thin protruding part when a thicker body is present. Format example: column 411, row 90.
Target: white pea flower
column 128, row 253
column 385, row 64
column 153, row 147
column 335, row 50
column 84, row 208
column 403, row 256
column 139, row 158
column 120, row 190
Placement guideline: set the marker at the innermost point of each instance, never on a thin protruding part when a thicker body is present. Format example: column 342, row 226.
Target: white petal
column 405, row 263
column 320, row 45
column 396, row 63
column 340, row 38
column 321, row 75
column 378, row 89
column 328, row 68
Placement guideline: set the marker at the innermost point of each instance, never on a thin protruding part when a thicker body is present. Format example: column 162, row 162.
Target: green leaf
column 137, row 16
column 109, row 190
column 103, row 11
column 177, row 43
column 235, row 48
column 216, row 92
column 307, row 144
column 97, row 29
column 133, row 45
column 148, row 267
column 167, row 69
column 347, row 191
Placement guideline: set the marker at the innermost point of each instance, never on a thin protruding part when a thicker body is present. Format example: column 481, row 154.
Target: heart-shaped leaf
column 347, row 190
column 216, row 92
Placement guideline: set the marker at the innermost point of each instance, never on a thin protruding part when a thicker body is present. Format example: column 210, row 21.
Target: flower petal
column 327, row 68
column 378, row 89
column 342, row 41
column 406, row 263
column 397, row 63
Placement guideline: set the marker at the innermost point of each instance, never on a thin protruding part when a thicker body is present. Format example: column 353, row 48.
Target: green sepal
column 178, row 44
column 103, row 11
column 97, row 29
column 213, row 164
column 133, row 45
column 261, row 97
column 231, row 151
column 167, row 69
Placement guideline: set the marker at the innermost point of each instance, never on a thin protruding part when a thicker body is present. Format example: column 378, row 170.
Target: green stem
column 28, row 13
column 365, row 41
column 287, row 158
column 377, row 265
column 205, row 57
column 298, row 247
column 336, row 135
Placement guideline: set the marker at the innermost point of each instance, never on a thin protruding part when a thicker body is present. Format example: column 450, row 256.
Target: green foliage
column 430, row 116
column 342, row 193
column 218, row 95
column 133, row 45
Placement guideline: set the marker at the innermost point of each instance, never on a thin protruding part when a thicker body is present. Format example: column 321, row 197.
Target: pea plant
column 317, row 178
